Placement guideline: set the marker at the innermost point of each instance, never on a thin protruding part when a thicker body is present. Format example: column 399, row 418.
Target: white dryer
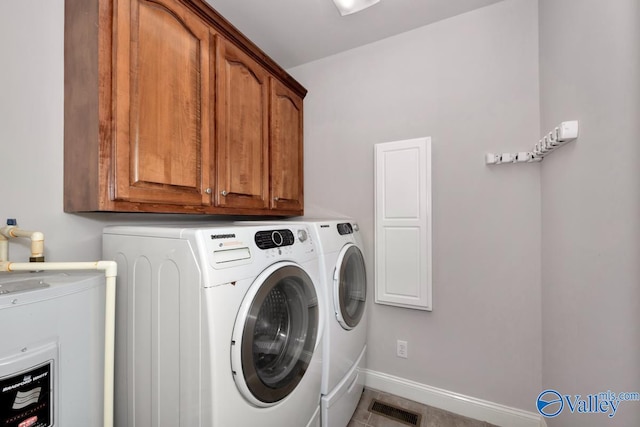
column 343, row 275
column 217, row 326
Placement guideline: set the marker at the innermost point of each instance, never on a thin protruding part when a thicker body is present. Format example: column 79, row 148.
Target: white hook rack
column 563, row 133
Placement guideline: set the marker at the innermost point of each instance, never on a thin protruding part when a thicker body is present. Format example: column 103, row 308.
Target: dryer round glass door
column 349, row 287
column 275, row 334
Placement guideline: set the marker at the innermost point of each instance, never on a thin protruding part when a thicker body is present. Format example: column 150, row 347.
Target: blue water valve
column 12, row 221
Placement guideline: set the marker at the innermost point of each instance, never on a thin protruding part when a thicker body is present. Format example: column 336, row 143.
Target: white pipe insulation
column 10, row 231
column 4, row 248
column 110, row 269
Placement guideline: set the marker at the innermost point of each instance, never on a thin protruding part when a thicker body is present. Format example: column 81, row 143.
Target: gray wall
column 590, row 71
column 31, row 136
column 471, row 83
column 31, row 132
column 31, row 123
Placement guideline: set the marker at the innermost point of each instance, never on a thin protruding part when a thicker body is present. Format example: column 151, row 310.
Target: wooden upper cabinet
column 169, row 108
column 242, row 130
column 286, row 150
column 162, row 104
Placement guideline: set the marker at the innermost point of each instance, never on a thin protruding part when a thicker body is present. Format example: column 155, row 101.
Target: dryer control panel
column 345, row 228
column 269, row 239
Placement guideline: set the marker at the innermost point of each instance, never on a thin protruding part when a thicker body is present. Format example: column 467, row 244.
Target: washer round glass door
column 275, row 334
column 349, row 287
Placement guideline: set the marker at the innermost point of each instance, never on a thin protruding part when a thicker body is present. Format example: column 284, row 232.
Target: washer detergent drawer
column 340, row 404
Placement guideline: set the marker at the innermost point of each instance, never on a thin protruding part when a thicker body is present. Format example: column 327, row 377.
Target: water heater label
column 26, row 398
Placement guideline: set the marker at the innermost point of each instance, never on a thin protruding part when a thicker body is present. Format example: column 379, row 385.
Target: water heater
column 51, row 349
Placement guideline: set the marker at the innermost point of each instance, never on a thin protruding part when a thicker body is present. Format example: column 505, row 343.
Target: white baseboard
column 471, row 407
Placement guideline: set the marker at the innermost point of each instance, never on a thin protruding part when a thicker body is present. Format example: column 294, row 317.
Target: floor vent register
column 395, row 413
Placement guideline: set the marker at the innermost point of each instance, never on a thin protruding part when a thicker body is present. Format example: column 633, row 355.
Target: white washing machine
column 342, row 269
column 216, row 326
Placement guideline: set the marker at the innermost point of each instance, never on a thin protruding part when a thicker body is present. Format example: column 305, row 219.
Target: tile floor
column 431, row 417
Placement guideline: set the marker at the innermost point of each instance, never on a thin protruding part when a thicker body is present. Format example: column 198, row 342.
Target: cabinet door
column 242, row 130
column 162, row 103
column 286, row 149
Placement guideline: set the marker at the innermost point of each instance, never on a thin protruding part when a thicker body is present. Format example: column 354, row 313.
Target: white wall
column 31, row 131
column 471, row 83
column 590, row 71
column 31, row 135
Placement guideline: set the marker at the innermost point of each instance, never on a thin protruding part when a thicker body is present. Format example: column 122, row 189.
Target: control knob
column 277, row 238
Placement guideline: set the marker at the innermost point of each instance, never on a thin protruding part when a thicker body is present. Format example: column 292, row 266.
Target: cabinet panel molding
column 242, row 130
column 162, row 87
column 286, row 146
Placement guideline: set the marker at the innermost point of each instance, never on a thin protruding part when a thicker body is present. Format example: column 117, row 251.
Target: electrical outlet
column 402, row 349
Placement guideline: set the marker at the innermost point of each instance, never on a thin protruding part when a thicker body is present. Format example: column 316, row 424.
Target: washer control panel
column 270, row 239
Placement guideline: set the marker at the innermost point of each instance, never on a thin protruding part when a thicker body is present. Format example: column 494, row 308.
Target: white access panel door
column 403, row 223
